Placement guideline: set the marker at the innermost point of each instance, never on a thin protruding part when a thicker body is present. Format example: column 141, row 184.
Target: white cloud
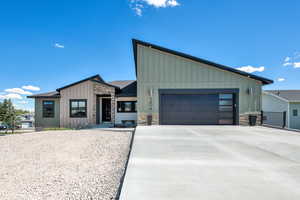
column 280, row 79
column 251, row 69
column 296, row 64
column 173, row 3
column 293, row 60
column 162, row 3
column 57, row 45
column 10, row 96
column 138, row 9
column 30, row 87
column 287, row 64
column 287, row 59
column 138, row 5
column 18, row 91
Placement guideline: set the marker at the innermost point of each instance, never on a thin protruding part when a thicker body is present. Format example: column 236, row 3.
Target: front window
column 226, row 109
column 48, row 109
column 295, row 113
column 78, row 108
column 126, row 106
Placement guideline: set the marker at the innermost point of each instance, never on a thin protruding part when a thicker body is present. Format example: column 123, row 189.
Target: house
column 88, row 102
column 27, row 120
column 288, row 101
column 171, row 88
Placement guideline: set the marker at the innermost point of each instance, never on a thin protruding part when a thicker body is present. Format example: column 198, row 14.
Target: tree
column 21, row 112
column 8, row 115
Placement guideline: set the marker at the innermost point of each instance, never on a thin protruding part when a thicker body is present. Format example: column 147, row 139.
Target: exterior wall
column 125, row 116
column 271, row 103
column 294, row 121
column 46, row 122
column 160, row 70
column 101, row 89
column 85, row 90
column 80, row 91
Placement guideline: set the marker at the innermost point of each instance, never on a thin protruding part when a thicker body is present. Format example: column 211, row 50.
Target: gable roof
column 136, row 42
column 53, row 94
column 289, row 95
column 118, row 85
column 130, row 90
column 96, row 78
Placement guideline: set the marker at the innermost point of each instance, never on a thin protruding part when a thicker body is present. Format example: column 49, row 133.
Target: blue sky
column 47, row 44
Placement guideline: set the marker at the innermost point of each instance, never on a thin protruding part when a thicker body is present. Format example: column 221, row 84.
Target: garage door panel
column 189, row 109
column 197, row 109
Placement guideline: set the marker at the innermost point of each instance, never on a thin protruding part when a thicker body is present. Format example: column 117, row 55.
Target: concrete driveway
column 213, row 163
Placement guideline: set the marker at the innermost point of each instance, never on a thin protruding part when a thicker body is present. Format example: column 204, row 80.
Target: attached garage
column 198, row 107
column 175, row 88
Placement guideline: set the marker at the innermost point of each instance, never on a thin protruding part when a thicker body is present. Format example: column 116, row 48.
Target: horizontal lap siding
column 271, row 103
column 158, row 69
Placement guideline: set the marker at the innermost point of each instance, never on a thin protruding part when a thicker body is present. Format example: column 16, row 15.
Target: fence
column 276, row 119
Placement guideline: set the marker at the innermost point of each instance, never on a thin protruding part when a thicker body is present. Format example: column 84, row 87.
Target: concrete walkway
column 213, row 163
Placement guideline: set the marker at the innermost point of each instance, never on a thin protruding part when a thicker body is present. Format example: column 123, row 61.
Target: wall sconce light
column 250, row 91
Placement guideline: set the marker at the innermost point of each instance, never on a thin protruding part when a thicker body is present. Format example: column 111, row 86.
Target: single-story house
column 172, row 88
column 88, row 102
column 27, row 120
column 288, row 101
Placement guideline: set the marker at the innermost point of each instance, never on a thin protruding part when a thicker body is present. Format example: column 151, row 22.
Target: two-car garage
column 198, row 107
column 174, row 88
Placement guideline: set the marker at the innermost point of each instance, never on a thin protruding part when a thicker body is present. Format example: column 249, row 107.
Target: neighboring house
column 284, row 101
column 27, row 120
column 171, row 88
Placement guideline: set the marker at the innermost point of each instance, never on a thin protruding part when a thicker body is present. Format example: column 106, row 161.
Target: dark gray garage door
column 196, row 109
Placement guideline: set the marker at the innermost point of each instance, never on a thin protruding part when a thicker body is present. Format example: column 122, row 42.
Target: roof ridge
column 83, row 80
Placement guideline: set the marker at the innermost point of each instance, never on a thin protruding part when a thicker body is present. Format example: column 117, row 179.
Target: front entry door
column 106, row 110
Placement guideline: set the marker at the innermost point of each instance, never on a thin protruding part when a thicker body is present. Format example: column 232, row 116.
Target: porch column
column 113, row 106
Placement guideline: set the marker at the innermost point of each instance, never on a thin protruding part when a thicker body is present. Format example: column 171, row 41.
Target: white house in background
column 27, row 120
column 283, row 101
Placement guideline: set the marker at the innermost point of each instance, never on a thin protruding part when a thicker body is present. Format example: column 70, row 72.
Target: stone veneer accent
column 101, row 89
column 142, row 118
column 243, row 121
column 244, row 118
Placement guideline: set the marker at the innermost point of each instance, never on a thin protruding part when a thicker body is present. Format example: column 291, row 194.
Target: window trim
column 70, row 108
column 44, row 109
column 134, row 102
